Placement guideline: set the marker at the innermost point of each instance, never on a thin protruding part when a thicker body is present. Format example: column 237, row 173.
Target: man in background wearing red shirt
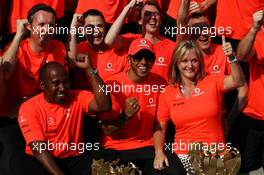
column 251, row 50
column 22, row 61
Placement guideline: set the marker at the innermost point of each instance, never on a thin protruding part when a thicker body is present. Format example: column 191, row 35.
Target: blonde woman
column 193, row 101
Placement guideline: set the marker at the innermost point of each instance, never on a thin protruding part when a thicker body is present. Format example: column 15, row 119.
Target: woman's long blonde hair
column 182, row 49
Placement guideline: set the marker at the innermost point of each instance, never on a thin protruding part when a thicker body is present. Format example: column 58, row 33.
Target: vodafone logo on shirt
column 151, row 102
column 197, row 92
column 160, row 61
column 109, row 67
column 216, row 69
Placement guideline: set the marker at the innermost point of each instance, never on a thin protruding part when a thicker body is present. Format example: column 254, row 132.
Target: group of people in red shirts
column 48, row 86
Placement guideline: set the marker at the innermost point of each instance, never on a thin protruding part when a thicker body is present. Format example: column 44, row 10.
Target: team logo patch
column 109, row 67
column 161, row 61
column 198, row 92
column 151, row 102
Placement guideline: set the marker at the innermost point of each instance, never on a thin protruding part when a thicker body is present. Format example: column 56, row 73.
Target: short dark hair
column 47, row 66
column 93, row 12
column 37, row 8
column 198, row 15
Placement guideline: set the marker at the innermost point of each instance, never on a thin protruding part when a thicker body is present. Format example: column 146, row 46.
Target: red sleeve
column 259, row 47
column 219, row 79
column 85, row 98
column 30, row 123
column 118, row 102
column 163, row 114
column 127, row 40
column 114, row 113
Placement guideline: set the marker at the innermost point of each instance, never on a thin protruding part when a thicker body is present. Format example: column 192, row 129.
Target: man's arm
column 10, row 55
column 72, row 41
column 159, row 141
column 2, row 81
column 197, row 7
column 45, row 158
column 237, row 108
column 113, row 126
column 236, row 79
column 112, row 38
column 102, row 100
column 245, row 47
column 182, row 18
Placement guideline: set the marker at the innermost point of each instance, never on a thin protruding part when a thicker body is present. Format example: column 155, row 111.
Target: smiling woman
column 190, row 85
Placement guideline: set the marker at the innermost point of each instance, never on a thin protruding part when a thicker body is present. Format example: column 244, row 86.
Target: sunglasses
column 149, row 13
column 147, row 55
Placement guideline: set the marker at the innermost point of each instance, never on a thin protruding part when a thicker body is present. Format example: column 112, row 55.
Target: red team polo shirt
column 108, row 63
column 198, row 118
column 24, row 81
column 58, row 124
column 241, row 12
column 111, row 9
column 137, row 131
column 255, row 107
column 216, row 62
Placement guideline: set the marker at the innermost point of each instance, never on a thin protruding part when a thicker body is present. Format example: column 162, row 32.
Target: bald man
column 51, row 122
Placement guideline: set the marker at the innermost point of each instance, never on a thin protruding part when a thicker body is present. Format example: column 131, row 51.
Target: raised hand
column 258, row 19
column 194, row 7
column 132, row 3
column 227, row 47
column 83, row 61
column 77, row 20
column 21, row 26
column 132, row 106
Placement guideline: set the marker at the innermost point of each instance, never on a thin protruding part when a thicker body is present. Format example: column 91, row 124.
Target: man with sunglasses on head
column 150, row 19
column 129, row 127
column 106, row 60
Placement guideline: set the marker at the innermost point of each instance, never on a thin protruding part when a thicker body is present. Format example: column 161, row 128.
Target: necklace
column 182, row 87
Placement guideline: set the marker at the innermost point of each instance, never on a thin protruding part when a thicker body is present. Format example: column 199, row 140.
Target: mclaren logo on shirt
column 197, row 92
column 51, row 121
column 151, row 103
column 160, row 61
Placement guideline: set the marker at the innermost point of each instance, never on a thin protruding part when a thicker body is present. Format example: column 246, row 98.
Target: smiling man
column 51, row 122
column 129, row 127
column 24, row 57
column 106, row 60
column 150, row 19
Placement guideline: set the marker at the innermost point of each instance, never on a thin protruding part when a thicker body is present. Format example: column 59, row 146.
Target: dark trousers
column 143, row 158
column 76, row 165
column 11, row 143
column 247, row 135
